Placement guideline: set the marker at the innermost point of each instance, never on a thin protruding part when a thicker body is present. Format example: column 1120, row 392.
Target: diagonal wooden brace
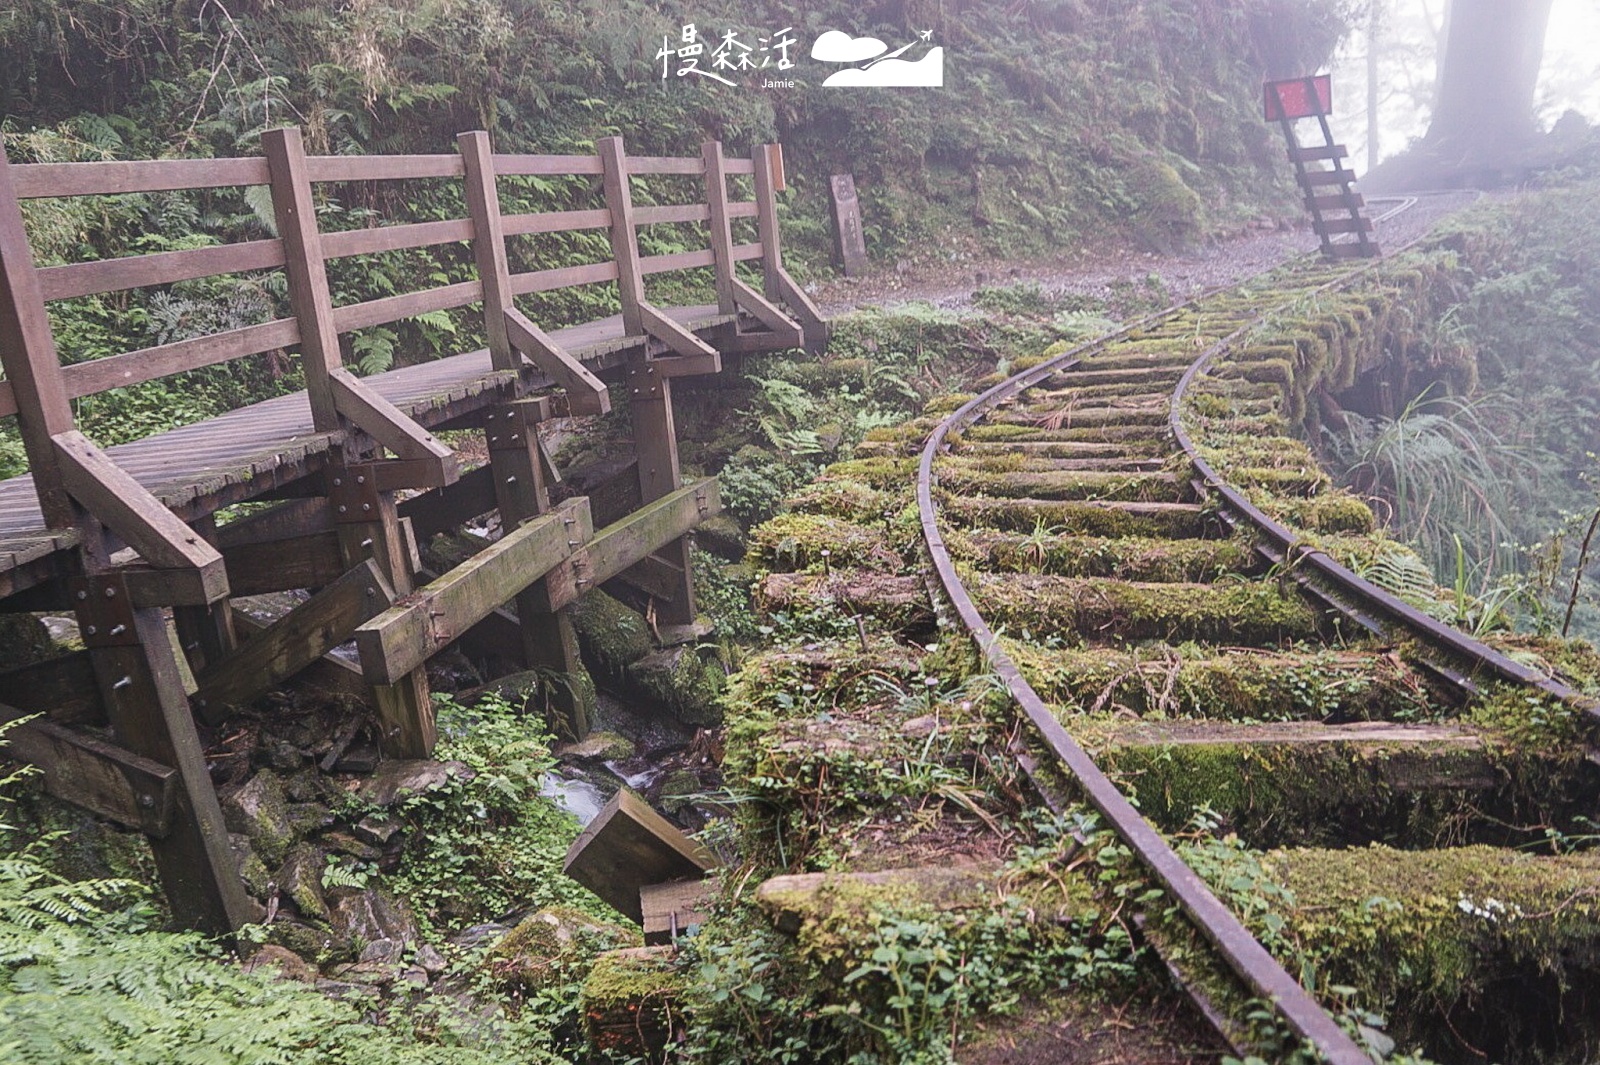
column 768, row 315
column 586, row 393
column 110, row 493
column 430, row 463
column 694, row 356
column 293, row 642
column 812, row 322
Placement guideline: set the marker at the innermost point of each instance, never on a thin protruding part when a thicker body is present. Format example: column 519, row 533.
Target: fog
column 1407, row 52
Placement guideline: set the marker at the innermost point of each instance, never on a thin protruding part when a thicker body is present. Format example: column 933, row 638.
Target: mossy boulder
column 628, row 1000
column 611, row 635
column 553, row 946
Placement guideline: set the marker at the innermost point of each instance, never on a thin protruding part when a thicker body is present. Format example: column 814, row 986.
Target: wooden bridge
column 127, row 537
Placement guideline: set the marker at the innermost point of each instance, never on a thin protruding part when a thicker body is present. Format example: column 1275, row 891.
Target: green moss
column 797, row 541
column 613, row 636
column 1078, row 518
column 1241, row 685
column 1130, row 558
column 1064, row 485
column 1068, row 607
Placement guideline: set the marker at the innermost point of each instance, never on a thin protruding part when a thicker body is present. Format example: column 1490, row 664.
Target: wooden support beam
column 205, row 631
column 767, row 169
column 330, row 672
column 628, row 846
column 369, row 525
column 115, row 498
column 624, row 232
column 98, row 776
column 63, row 689
column 630, row 539
column 716, row 169
column 586, row 393
column 655, row 442
column 653, row 576
column 404, row 637
column 309, row 295
column 394, row 429
column 28, row 354
column 142, row 687
column 293, row 642
column 695, row 356
column 448, row 508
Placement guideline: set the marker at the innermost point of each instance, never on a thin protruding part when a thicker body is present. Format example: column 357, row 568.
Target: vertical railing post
column 655, row 442
column 367, row 521
column 309, row 297
column 768, row 162
column 549, row 641
column 624, row 234
column 488, row 244
column 28, row 353
column 721, row 228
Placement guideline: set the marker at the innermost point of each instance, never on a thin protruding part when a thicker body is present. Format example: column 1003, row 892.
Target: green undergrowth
column 490, row 844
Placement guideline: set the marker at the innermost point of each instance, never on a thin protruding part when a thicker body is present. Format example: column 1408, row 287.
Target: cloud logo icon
column 927, row 72
column 837, row 47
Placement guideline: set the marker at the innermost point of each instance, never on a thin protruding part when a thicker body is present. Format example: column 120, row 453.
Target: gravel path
column 1100, row 272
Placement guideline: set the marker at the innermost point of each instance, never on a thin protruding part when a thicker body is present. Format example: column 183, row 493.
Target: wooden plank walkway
column 245, row 453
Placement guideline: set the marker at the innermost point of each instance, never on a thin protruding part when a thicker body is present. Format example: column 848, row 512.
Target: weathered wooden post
column 365, row 517
column 134, row 665
column 849, row 243
column 655, row 438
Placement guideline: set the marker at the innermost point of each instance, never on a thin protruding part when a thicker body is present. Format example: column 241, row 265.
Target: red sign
column 1299, row 98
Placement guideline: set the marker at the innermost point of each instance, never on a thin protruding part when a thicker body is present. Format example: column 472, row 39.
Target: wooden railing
column 302, row 251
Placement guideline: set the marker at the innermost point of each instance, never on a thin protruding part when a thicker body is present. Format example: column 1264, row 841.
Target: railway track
column 1326, row 783
column 1108, row 562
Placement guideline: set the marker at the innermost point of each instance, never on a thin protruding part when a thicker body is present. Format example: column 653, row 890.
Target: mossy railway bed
column 1342, row 807
column 1395, row 747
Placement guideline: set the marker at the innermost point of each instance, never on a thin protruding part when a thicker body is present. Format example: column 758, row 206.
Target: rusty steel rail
column 1232, row 940
column 1245, row 955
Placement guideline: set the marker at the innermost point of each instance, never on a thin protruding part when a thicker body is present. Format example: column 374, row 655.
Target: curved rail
column 1252, row 962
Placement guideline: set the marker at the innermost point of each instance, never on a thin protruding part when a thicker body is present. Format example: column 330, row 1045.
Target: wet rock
column 400, row 779
column 376, row 829
column 383, row 951
column 252, row 870
column 721, row 536
column 288, row 964
column 598, row 747
column 360, row 758
column 345, row 990
column 259, row 809
column 308, row 785
column 346, row 844
column 281, row 756
column 372, row 915
column 478, row 935
column 681, row 681
column 678, row 789
column 24, row 640
column 415, row 976
column 431, row 961
column 918, row 727
column 300, row 880
column 302, row 938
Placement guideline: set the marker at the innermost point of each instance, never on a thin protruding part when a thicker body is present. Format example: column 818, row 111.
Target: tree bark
column 1487, row 77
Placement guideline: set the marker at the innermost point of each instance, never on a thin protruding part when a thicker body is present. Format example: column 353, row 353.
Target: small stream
column 582, row 787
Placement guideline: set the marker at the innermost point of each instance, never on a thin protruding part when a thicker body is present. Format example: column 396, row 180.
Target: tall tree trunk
column 1487, row 77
